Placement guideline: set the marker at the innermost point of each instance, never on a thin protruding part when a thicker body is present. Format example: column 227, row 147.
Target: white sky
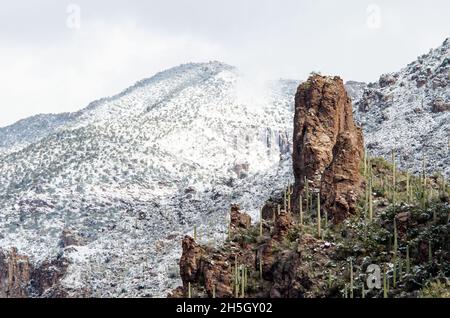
column 48, row 67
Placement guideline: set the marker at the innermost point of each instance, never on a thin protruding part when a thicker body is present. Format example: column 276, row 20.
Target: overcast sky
column 58, row 56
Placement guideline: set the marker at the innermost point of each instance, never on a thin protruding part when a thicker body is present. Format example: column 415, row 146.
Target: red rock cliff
column 328, row 146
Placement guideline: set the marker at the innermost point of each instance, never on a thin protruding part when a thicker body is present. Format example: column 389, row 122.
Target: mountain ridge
column 131, row 175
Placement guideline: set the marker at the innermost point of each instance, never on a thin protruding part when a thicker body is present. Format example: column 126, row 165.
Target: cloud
column 47, row 67
column 96, row 61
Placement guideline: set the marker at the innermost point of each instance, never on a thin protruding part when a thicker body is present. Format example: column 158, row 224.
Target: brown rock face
column 328, row 146
column 20, row 279
column 70, row 238
column 217, row 275
column 15, row 274
column 239, row 220
column 45, row 279
column 283, row 224
column 214, row 270
column 190, row 260
column 439, row 105
column 341, row 180
column 195, row 265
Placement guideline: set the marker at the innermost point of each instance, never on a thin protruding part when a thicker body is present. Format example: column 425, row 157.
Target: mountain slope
column 29, row 130
column 409, row 110
column 131, row 174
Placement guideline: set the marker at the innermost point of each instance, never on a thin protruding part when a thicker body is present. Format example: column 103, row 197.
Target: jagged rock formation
column 190, row 262
column 71, row 238
column 215, row 271
column 328, row 146
column 15, row 274
column 20, row 279
column 285, row 256
column 239, row 220
column 283, row 223
column 284, row 270
column 341, row 181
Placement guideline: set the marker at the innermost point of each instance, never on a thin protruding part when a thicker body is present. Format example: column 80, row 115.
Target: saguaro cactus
column 289, row 200
column 330, row 280
column 236, row 277
column 307, row 194
column 301, row 210
column 370, row 201
column 394, row 275
column 351, row 279
column 243, row 281
column 394, row 188
column 261, row 223
column 260, row 269
column 318, row 217
column 365, row 163
column 430, row 252
column 408, row 261
column 408, row 198
column 424, row 194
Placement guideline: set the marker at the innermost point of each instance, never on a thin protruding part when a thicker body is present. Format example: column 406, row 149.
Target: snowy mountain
column 29, row 130
column 409, row 110
column 129, row 175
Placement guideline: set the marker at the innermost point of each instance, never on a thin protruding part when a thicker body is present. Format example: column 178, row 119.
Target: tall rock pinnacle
column 328, row 146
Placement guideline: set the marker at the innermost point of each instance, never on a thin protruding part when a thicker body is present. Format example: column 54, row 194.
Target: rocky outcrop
column 285, row 263
column 197, row 263
column 45, row 280
column 439, row 105
column 70, row 238
column 190, row 260
column 19, row 278
column 341, row 181
column 387, row 80
column 218, row 276
column 283, row 224
column 328, row 146
column 15, row 275
column 239, row 220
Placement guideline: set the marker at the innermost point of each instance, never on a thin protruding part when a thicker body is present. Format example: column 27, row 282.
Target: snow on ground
column 133, row 173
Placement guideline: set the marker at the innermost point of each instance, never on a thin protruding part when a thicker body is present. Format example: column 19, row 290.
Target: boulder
column 190, row 260
column 239, row 220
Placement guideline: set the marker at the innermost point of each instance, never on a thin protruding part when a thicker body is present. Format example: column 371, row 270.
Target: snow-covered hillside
column 132, row 173
column 409, row 110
